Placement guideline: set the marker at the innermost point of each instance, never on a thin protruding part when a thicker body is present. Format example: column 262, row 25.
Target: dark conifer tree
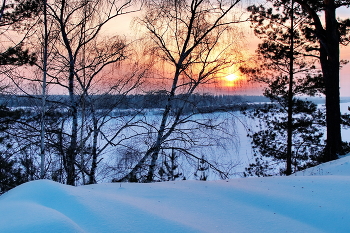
column 329, row 33
column 12, row 172
column 16, row 15
column 289, row 126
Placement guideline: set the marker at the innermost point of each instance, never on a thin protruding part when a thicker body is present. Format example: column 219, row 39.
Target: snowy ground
column 316, row 200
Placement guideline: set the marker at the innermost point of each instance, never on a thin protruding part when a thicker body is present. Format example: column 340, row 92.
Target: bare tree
column 85, row 57
column 188, row 37
column 86, row 64
column 79, row 56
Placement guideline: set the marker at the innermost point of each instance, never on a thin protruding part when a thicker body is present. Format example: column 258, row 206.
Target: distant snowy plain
column 314, row 200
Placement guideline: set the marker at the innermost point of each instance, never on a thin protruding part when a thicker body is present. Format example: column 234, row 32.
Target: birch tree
column 79, row 56
column 188, row 37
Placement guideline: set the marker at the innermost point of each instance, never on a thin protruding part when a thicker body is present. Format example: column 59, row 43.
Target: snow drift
column 315, row 200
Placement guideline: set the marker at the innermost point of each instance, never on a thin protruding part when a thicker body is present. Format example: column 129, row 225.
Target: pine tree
column 170, row 169
column 329, row 33
column 202, row 169
column 15, row 16
column 11, row 169
column 289, row 131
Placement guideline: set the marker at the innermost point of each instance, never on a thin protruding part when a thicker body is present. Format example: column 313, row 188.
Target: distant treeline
column 204, row 102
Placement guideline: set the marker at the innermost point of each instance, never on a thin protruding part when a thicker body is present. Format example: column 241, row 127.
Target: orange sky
column 240, row 86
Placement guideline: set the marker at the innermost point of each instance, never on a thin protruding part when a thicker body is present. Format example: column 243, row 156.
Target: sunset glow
column 232, row 77
column 232, row 80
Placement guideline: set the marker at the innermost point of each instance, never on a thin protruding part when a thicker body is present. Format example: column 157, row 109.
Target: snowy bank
column 300, row 203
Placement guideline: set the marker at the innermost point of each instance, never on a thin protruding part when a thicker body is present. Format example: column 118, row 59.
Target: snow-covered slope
column 339, row 167
column 301, row 203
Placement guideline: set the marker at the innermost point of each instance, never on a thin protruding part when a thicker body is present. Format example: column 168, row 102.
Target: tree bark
column 290, row 97
column 160, row 136
column 332, row 65
column 92, row 175
column 329, row 39
column 72, row 149
column 43, row 110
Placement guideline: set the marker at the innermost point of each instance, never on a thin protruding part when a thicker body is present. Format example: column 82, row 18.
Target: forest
column 80, row 98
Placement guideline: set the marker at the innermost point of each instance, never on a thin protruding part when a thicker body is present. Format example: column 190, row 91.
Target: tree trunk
column 160, row 136
column 92, row 178
column 72, row 149
column 43, row 110
column 290, row 97
column 330, row 67
column 329, row 57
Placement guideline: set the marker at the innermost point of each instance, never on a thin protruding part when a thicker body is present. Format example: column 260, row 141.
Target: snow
column 339, row 167
column 315, row 200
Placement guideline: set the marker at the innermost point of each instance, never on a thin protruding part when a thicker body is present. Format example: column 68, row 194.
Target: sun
column 232, row 77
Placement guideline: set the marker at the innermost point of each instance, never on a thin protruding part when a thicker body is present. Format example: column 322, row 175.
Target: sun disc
column 231, row 77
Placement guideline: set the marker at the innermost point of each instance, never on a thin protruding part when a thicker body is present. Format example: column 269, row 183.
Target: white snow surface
column 316, row 200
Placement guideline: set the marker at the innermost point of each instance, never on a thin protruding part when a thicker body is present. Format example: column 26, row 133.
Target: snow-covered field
column 316, row 200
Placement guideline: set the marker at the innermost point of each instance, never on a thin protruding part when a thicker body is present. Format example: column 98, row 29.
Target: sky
column 345, row 71
column 344, row 12
column 240, row 85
